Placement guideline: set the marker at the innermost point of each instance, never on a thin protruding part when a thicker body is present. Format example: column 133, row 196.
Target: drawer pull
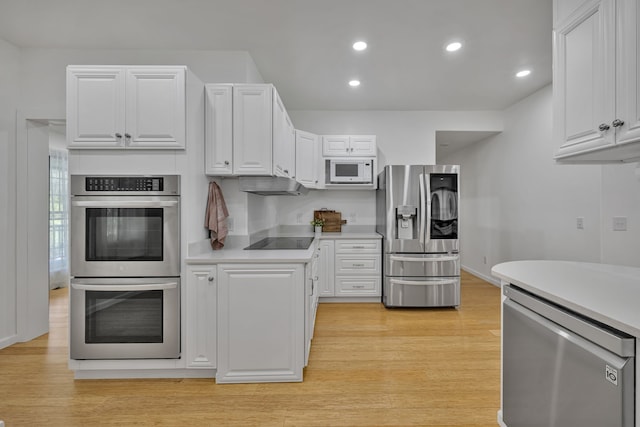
column 358, row 286
column 358, row 265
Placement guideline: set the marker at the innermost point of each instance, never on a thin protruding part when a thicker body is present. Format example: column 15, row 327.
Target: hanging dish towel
column 215, row 219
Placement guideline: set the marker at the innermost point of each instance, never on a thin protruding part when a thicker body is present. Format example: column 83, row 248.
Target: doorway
column 32, row 221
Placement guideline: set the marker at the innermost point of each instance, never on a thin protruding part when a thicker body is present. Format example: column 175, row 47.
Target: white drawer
column 357, row 264
column 357, row 286
column 371, row 246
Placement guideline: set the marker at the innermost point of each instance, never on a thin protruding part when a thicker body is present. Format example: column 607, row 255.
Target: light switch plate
column 619, row 223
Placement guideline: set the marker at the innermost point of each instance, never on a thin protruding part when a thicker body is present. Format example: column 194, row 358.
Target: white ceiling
column 304, row 48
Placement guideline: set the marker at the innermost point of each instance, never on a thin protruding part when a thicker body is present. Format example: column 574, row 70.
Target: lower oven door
column 421, row 291
column 120, row 318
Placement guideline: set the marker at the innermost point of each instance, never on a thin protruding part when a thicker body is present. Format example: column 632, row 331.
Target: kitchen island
column 601, row 294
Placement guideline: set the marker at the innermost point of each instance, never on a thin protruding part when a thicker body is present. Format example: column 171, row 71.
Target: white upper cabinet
column 349, row 145
column 219, row 129
column 252, row 129
column 595, row 91
column 126, row 107
column 307, row 159
column 248, row 131
column 284, row 150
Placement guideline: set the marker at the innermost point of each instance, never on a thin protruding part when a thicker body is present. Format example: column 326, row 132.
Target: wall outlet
column 299, row 218
column 230, row 224
column 619, row 223
column 580, row 223
column 352, row 218
column 484, row 260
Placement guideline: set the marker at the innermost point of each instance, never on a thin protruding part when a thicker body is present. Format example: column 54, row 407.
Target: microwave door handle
column 421, row 207
column 124, row 204
column 126, row 288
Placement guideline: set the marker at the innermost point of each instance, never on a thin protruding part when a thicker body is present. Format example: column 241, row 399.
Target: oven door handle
column 126, row 288
column 125, row 204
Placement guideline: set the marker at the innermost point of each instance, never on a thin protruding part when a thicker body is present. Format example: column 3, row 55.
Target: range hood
column 272, row 186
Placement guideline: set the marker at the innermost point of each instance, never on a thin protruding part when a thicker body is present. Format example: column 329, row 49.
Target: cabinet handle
column 358, row 286
column 210, row 278
column 358, row 265
column 286, row 171
column 226, row 162
column 603, row 127
column 118, row 135
column 128, row 136
column 617, row 123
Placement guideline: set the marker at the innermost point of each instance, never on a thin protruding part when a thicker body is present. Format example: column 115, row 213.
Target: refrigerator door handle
column 427, row 209
column 422, row 205
column 423, row 282
column 424, row 259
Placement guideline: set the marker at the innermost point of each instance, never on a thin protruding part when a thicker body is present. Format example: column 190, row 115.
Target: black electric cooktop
column 282, row 243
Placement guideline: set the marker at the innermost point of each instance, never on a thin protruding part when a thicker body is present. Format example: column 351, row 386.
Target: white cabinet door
column 95, row 107
column 307, row 159
column 584, row 73
column 155, row 107
column 261, row 326
column 252, row 129
column 362, row 145
column 282, row 140
column 335, row 145
column 326, row 269
column 628, row 73
column 219, row 130
column 201, row 325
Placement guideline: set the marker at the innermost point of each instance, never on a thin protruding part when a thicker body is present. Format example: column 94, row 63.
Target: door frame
column 32, row 250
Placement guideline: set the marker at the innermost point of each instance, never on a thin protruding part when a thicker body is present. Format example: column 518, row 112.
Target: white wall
column 621, row 197
column 9, row 91
column 518, row 203
column 403, row 137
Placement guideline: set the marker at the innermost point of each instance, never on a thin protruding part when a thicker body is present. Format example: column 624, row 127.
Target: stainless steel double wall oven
column 125, row 267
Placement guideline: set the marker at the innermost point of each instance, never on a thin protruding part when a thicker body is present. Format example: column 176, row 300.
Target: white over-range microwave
column 350, row 170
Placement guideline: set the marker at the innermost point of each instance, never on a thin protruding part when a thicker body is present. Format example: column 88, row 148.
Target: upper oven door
column 125, row 236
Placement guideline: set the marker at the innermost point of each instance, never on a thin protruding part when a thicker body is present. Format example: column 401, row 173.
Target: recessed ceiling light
column 360, row 45
column 452, row 47
column 354, row 83
column 523, row 73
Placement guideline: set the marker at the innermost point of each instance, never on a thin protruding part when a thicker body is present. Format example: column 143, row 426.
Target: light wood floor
column 369, row 366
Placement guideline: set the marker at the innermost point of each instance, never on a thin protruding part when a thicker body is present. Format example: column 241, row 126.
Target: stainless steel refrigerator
column 417, row 213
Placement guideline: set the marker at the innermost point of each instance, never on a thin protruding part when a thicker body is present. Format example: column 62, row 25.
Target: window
column 58, row 218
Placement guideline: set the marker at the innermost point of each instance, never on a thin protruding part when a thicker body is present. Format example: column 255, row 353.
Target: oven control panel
column 120, row 183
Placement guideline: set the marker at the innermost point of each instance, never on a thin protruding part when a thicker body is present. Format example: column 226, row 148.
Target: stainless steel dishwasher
column 561, row 369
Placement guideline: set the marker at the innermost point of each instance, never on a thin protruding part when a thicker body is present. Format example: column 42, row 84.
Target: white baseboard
column 490, row 279
column 6, row 342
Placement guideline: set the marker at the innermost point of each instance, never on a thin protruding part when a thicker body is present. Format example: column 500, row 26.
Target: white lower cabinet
column 326, row 272
column 201, row 317
column 311, row 301
column 350, row 268
column 261, row 323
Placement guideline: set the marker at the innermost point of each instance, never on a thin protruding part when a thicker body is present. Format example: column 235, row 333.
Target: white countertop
column 233, row 250
column 607, row 293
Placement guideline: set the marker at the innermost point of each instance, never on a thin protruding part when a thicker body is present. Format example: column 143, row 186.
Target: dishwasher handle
column 611, row 339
